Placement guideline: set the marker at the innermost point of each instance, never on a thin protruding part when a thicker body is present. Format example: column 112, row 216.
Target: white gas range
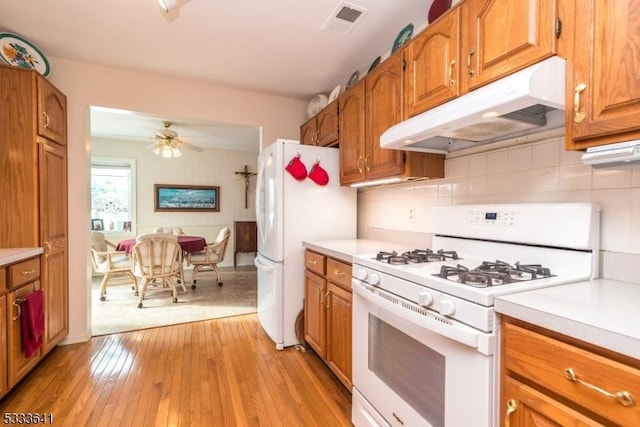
column 425, row 335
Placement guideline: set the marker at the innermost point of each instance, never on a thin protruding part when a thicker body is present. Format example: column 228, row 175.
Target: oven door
column 412, row 369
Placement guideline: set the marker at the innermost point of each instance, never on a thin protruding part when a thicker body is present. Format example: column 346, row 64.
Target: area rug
column 120, row 312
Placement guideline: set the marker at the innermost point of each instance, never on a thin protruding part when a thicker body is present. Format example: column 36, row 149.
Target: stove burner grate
column 416, row 256
column 493, row 273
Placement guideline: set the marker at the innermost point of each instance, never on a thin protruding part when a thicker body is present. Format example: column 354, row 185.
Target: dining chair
column 207, row 260
column 169, row 230
column 157, row 259
column 114, row 265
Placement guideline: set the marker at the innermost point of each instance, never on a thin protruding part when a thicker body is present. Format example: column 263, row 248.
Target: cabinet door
column 327, row 125
column 352, row 134
column 4, row 386
column 314, row 313
column 53, row 233
column 308, row 134
column 433, row 67
column 505, row 36
column 17, row 364
column 523, row 406
column 338, row 354
column 52, row 112
column 603, row 82
column 383, row 107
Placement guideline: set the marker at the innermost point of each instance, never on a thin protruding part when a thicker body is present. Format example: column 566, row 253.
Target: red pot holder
column 318, row 174
column 297, row 169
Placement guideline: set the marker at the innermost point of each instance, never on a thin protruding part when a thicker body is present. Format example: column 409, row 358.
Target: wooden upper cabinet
column 52, row 113
column 308, row 132
column 603, row 93
column 383, row 109
column 327, row 125
column 503, row 36
column 321, row 129
column 352, row 134
column 432, row 74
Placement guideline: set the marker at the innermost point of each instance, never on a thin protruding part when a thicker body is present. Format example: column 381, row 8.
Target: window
column 112, row 193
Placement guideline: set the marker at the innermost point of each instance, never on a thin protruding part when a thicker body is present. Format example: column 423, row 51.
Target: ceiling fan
column 167, row 143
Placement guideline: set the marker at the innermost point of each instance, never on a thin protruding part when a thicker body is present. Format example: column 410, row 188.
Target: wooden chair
column 114, row 265
column 209, row 258
column 157, row 257
column 169, row 230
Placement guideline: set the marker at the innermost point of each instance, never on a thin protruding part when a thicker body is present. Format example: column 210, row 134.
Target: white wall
column 88, row 85
column 207, row 167
column 534, row 172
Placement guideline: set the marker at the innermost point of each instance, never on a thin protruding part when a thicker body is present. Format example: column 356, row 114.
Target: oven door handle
column 460, row 335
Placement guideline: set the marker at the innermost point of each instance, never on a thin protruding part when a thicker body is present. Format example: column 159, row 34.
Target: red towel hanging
column 32, row 322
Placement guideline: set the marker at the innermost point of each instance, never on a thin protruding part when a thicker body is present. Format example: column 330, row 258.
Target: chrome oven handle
column 463, row 336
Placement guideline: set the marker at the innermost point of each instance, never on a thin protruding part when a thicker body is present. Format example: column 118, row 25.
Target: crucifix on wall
column 246, row 175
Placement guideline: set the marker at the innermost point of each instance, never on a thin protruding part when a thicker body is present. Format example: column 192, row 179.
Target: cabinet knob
column 578, row 117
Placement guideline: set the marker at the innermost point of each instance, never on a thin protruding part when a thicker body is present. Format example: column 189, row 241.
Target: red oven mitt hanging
column 318, row 174
column 296, row 168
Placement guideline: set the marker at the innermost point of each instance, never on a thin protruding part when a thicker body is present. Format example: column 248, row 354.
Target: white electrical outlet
column 411, row 215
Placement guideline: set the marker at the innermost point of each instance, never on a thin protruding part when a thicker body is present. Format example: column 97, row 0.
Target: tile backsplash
column 535, row 172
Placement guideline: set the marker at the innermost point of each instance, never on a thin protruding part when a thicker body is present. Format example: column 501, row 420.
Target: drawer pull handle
column 17, row 304
column 339, row 273
column 512, row 406
column 624, row 397
column 313, row 262
column 27, row 272
column 452, row 82
column 46, row 120
column 470, row 71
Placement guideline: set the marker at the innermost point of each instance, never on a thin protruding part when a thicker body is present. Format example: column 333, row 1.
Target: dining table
column 188, row 244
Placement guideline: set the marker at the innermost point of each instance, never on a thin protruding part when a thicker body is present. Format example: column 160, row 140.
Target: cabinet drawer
column 339, row 273
column 315, row 262
column 3, row 280
column 545, row 360
column 24, row 272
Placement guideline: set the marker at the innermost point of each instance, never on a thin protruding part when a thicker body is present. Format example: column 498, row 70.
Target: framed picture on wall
column 186, row 198
column 97, row 224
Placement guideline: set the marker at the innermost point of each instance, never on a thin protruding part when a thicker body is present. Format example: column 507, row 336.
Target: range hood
column 529, row 101
column 613, row 155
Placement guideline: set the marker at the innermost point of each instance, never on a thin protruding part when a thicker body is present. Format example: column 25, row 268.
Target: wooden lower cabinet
column 327, row 312
column 552, row 380
column 4, row 386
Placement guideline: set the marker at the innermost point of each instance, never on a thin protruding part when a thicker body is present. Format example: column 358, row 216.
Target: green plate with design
column 19, row 52
column 403, row 37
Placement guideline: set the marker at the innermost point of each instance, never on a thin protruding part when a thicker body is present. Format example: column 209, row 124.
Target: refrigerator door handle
column 261, row 266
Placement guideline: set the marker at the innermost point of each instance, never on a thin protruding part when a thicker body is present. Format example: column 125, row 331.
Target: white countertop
column 345, row 250
column 601, row 312
column 11, row 255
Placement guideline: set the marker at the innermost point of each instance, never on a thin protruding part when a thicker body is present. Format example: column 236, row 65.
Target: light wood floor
column 223, row 372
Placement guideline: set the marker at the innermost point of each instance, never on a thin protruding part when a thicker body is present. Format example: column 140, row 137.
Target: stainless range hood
column 529, row 101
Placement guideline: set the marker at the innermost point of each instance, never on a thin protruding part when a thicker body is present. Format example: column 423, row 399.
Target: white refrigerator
column 292, row 207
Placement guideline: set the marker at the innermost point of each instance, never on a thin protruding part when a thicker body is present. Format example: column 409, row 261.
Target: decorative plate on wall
column 438, row 7
column 374, row 64
column 316, row 104
column 334, row 94
column 16, row 51
column 403, row 37
column 353, row 79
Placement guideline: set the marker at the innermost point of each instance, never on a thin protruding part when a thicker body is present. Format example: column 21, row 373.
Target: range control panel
column 501, row 218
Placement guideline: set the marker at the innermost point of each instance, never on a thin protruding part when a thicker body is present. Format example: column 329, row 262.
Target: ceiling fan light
column 167, row 151
column 167, row 5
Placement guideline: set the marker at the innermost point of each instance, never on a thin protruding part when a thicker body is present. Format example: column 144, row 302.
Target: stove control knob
column 361, row 274
column 374, row 279
column 425, row 299
column 447, row 308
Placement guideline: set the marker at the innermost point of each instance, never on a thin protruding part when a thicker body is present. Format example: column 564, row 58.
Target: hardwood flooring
column 223, row 372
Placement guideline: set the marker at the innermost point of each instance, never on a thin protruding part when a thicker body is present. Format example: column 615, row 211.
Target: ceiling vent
column 344, row 19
